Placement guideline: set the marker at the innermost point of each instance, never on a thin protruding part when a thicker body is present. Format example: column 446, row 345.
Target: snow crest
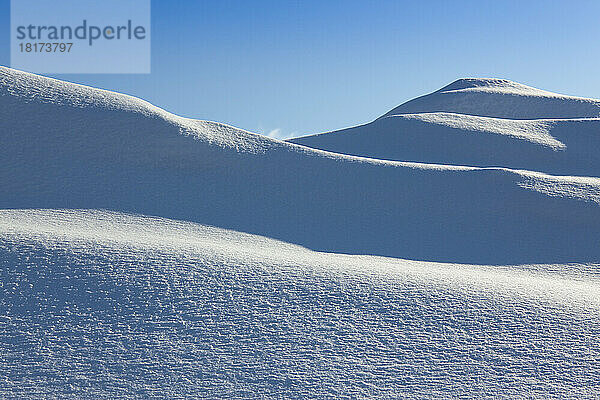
column 447, row 250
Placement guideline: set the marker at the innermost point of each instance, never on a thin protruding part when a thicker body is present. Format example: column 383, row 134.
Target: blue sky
column 297, row 67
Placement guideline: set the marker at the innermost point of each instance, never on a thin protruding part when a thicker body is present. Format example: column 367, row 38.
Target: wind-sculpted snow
column 500, row 98
column 107, row 305
column 64, row 146
column 556, row 141
column 221, row 293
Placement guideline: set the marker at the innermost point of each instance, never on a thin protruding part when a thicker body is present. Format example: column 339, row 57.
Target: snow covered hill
column 109, row 305
column 500, row 98
column 481, row 122
column 145, row 255
column 69, row 146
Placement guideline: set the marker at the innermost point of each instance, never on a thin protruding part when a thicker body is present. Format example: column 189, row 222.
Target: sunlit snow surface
column 99, row 304
column 129, row 304
column 460, row 195
column 481, row 122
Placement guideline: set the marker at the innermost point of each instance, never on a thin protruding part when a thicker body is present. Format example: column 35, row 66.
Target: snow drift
column 70, row 146
column 500, row 98
column 203, row 281
column 103, row 305
column 484, row 123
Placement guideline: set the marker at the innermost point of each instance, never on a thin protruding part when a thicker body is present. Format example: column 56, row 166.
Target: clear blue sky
column 311, row 66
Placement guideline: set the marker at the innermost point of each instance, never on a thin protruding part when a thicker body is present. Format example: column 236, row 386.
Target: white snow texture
column 449, row 249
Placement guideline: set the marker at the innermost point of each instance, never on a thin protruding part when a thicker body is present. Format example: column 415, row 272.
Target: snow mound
column 491, row 85
column 69, row 146
column 557, row 146
column 102, row 305
column 483, row 123
column 534, row 131
column 500, row 98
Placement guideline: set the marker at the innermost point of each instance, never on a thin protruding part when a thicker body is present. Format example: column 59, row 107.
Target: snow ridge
column 481, row 122
column 494, row 85
column 499, row 98
column 445, row 255
column 101, row 304
column 88, row 148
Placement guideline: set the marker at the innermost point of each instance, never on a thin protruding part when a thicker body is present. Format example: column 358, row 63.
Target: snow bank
column 481, row 122
column 102, row 305
column 69, row 146
column 554, row 146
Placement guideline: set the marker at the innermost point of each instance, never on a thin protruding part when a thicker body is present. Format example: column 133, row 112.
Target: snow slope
column 101, row 305
column 481, row 122
column 554, row 146
column 203, row 280
column 500, row 98
column 69, row 146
